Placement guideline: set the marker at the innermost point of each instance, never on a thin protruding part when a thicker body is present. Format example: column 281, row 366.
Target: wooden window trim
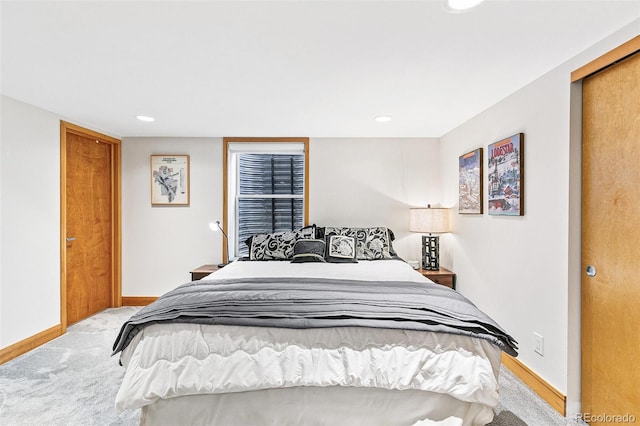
column 225, row 200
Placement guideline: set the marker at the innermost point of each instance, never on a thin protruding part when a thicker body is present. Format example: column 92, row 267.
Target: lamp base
column 430, row 252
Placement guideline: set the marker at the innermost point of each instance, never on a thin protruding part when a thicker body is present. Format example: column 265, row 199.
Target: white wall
column 516, row 268
column 160, row 245
column 29, row 221
column 373, row 182
column 356, row 182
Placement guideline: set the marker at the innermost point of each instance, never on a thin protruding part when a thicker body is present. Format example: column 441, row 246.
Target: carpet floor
column 73, row 380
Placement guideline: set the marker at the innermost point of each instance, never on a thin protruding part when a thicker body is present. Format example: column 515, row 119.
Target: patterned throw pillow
column 308, row 251
column 372, row 243
column 278, row 245
column 341, row 249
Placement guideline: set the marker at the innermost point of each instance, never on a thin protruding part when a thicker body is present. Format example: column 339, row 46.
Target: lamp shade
column 461, row 5
column 430, row 219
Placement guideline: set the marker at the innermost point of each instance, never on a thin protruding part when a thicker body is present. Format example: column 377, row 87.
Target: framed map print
column 506, row 185
column 470, row 182
column 169, row 180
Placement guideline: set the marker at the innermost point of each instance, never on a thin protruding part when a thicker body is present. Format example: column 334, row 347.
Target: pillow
column 341, row 249
column 392, row 238
column 308, row 231
column 372, row 243
column 277, row 245
column 308, row 251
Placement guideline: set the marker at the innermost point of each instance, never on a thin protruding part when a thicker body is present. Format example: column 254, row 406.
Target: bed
column 264, row 342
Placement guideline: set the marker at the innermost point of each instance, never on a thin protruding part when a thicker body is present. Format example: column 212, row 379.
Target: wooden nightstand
column 202, row 271
column 442, row 276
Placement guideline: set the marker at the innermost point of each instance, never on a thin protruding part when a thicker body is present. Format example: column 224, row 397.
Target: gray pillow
column 308, row 251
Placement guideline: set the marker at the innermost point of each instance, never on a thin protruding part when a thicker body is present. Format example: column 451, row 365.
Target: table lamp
column 430, row 220
column 216, row 227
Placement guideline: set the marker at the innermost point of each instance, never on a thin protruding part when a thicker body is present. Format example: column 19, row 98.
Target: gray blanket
column 319, row 303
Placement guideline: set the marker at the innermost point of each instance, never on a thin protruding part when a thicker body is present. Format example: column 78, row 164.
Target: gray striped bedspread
column 319, row 303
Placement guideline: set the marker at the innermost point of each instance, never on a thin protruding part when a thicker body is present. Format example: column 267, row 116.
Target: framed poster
column 506, row 184
column 470, row 183
column 169, row 180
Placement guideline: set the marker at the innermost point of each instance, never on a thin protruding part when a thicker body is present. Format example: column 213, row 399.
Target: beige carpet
column 73, row 380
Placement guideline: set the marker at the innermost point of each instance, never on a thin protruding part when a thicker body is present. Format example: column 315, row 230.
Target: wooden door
column 90, row 224
column 611, row 242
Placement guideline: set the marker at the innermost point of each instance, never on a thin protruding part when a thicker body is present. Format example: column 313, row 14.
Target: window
column 265, row 189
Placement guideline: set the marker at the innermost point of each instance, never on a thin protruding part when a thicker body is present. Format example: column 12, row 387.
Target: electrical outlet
column 538, row 344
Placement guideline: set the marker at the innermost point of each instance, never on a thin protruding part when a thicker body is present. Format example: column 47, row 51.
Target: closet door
column 611, row 241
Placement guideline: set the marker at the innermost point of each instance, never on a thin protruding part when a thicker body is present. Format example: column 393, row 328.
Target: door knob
column 591, row 271
column 71, row 238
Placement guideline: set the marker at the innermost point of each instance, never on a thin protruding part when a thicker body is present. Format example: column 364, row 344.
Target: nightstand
column 442, row 276
column 202, row 271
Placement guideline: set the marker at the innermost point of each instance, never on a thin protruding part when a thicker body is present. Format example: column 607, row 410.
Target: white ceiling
column 287, row 68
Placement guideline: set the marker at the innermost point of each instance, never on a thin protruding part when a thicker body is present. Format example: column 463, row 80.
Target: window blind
column 270, row 195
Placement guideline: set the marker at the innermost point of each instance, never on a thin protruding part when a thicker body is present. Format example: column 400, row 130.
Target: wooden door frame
column 116, row 227
column 608, row 59
column 619, row 53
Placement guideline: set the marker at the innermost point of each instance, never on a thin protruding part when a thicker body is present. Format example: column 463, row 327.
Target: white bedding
column 392, row 270
column 171, row 361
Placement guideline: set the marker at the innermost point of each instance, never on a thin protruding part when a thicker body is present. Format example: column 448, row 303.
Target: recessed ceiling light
column 145, row 118
column 457, row 6
column 383, row 118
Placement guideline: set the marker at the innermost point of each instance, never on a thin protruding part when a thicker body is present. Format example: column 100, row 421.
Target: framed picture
column 169, row 180
column 506, row 176
column 470, row 183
